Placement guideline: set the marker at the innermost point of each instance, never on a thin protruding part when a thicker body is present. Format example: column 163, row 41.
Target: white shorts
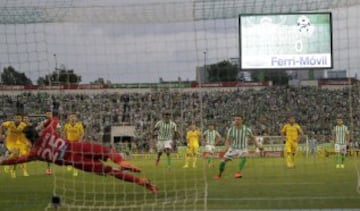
column 210, row 148
column 231, row 153
column 260, row 139
column 161, row 145
column 340, row 148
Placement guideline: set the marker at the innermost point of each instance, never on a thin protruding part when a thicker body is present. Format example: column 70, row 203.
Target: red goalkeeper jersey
column 49, row 147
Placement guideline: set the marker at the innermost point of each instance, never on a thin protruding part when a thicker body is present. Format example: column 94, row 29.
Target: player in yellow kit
column 73, row 131
column 292, row 133
column 24, row 145
column 14, row 133
column 193, row 138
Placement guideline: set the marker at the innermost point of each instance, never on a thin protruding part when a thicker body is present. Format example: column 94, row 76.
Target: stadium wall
column 88, row 89
column 121, row 90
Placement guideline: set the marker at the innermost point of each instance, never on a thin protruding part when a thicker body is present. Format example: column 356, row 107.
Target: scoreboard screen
column 285, row 41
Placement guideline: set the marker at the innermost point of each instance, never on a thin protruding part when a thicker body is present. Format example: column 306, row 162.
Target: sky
column 140, row 41
column 119, row 52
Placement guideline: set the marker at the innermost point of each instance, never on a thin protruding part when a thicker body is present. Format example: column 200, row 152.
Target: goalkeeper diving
column 87, row 156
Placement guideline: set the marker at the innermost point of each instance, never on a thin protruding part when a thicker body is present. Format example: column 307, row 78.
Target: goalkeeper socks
column 242, row 163
column 124, row 176
column 342, row 158
column 221, row 167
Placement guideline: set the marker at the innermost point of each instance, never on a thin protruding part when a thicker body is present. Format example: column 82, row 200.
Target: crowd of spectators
column 315, row 108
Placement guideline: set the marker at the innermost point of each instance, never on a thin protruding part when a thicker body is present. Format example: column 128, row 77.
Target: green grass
column 266, row 184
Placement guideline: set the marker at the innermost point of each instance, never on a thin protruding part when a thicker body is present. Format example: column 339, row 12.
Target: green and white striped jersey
column 239, row 137
column 340, row 133
column 166, row 130
column 210, row 136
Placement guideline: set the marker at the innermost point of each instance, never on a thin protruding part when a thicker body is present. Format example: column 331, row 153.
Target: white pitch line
column 282, row 198
column 287, row 183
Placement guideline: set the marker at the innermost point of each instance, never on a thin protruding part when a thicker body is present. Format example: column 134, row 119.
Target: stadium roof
column 150, row 11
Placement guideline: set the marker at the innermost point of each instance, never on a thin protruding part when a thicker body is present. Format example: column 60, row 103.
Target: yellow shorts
column 23, row 146
column 291, row 146
column 17, row 149
column 23, row 149
column 192, row 149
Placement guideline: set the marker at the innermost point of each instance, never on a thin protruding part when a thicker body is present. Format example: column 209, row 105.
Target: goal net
column 119, row 65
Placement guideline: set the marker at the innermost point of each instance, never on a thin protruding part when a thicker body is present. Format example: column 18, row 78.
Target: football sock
column 194, row 160
column 158, row 156
column 242, row 163
column 342, row 158
column 288, row 160
column 293, row 158
column 210, row 160
column 168, row 160
column 187, row 159
column 338, row 158
column 221, row 167
column 24, row 167
column 124, row 176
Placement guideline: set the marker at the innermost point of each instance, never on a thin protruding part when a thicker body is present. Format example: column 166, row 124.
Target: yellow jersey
column 193, row 137
column 291, row 131
column 73, row 132
column 13, row 132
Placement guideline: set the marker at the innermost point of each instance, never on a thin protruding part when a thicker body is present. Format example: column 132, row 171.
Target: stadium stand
column 314, row 107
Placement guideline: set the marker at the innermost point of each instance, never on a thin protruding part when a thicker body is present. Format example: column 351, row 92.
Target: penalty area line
column 287, row 183
column 282, row 198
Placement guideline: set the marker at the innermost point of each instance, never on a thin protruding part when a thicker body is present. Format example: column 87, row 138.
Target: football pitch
column 266, row 184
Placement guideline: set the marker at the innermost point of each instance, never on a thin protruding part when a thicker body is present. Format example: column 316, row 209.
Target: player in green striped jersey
column 211, row 137
column 341, row 140
column 236, row 145
column 166, row 133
